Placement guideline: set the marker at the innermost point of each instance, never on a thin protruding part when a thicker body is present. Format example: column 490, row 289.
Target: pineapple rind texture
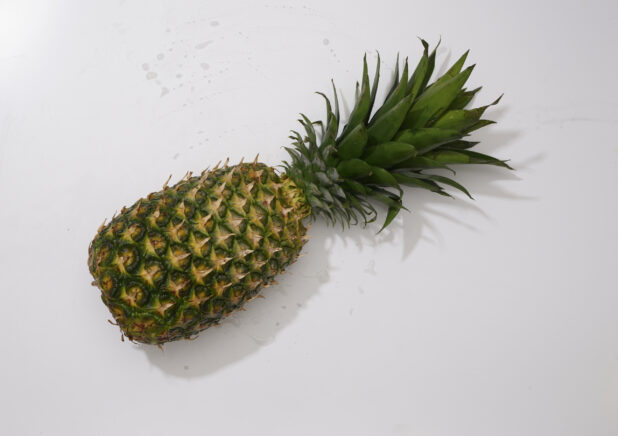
column 181, row 259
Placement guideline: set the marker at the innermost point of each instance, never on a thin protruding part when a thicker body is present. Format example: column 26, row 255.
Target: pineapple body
column 181, row 259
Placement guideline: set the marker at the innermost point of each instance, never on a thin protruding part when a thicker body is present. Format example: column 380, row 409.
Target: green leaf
column 450, row 157
column 421, row 162
column 395, row 79
column 457, row 119
column 360, row 113
column 353, row 169
column 374, row 86
column 479, row 124
column 396, row 97
column 332, row 125
column 356, row 187
column 449, row 182
column 427, row 139
column 463, row 98
column 323, row 178
column 308, row 125
column 391, row 213
column 387, row 154
column 435, row 100
column 380, row 176
column 419, row 182
column 459, row 145
column 460, row 119
column 453, row 71
column 387, row 125
column 336, row 100
column 418, row 77
column 479, row 158
column 353, row 143
column 431, row 63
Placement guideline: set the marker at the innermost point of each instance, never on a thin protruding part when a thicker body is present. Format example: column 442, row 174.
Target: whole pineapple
column 181, row 259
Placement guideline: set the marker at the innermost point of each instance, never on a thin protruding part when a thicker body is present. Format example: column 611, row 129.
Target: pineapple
column 181, row 259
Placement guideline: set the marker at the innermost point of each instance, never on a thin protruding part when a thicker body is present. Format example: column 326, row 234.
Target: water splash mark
column 203, row 45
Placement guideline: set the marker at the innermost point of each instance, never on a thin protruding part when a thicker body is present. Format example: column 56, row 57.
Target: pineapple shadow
column 246, row 332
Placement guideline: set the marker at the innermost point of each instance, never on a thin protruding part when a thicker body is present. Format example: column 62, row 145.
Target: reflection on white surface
column 21, row 23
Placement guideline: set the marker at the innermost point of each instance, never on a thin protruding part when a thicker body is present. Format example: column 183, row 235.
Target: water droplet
column 176, row 156
column 186, row 367
column 145, row 67
column 164, row 91
column 160, row 56
column 214, row 23
column 151, row 75
column 204, row 66
column 325, row 41
column 202, row 45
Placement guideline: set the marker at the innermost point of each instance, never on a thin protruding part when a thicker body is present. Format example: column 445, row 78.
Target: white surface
column 492, row 317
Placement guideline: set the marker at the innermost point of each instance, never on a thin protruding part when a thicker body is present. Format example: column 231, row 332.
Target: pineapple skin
column 181, row 259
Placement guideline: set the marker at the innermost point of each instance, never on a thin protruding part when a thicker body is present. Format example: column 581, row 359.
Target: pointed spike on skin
column 216, row 167
column 255, row 161
column 102, row 226
column 227, row 161
column 166, row 182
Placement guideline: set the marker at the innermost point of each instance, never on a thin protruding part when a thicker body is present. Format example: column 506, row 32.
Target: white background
column 497, row 316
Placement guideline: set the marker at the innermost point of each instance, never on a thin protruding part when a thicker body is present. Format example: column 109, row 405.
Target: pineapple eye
column 178, row 257
column 134, row 232
column 127, row 259
column 135, row 296
column 117, row 227
column 102, row 256
column 155, row 244
column 106, row 284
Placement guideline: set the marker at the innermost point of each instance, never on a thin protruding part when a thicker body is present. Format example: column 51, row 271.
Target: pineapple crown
column 419, row 128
